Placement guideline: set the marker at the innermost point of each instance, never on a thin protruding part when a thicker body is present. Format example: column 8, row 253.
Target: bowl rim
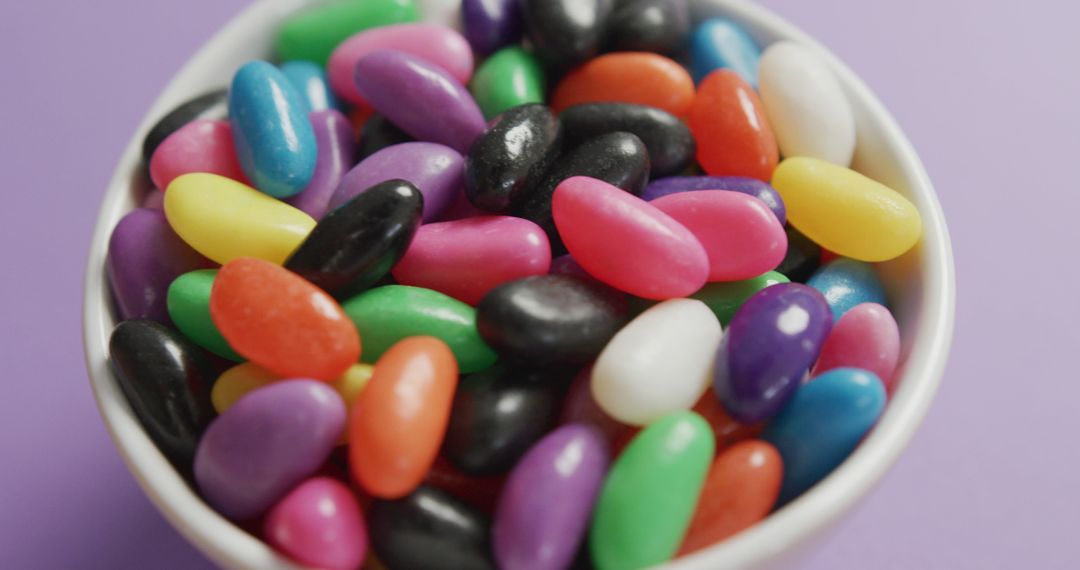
column 771, row 542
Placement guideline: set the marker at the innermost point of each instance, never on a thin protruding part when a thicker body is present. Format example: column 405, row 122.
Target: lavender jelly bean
column 750, row 186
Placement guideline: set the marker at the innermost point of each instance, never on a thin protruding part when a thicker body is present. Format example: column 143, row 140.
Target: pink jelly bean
column 740, row 233
column 319, row 524
column 439, row 45
column 865, row 337
column 627, row 242
column 199, row 146
column 467, row 258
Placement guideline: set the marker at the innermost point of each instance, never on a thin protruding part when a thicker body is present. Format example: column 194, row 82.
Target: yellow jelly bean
column 846, row 212
column 224, row 219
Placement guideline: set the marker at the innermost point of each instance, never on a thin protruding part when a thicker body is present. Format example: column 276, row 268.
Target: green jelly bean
column 188, row 302
column 510, row 77
column 387, row 314
column 726, row 298
column 314, row 33
column 651, row 492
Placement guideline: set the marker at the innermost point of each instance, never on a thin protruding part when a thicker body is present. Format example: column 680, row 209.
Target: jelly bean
column 312, row 34
column 802, row 259
column 167, row 383
column 430, row 529
column 822, row 425
column 549, row 319
column 419, row 97
column 649, row 25
column 726, row 298
column 668, row 140
column 739, row 492
column 740, row 234
column 399, row 420
column 334, row 136
column 649, row 496
column 145, row 256
column 794, row 79
column 749, row 186
column 628, row 77
column 265, row 444
column 733, row 136
column 311, row 82
column 479, row 492
column 274, row 140
column 355, row 246
column 579, row 406
column 725, row 428
column 154, row 200
column 865, row 337
column 306, row 334
column 566, row 469
column 384, row 315
column 224, row 219
column 773, row 340
column 442, row 12
column 845, row 211
column 675, row 340
column 626, row 242
column 722, row 44
column 461, row 209
column 188, row 301
column 319, row 524
column 565, row 265
column 211, row 106
column 491, row 24
column 498, row 414
column 510, row 77
column 237, row 382
column 847, row 283
column 510, row 156
column 467, row 258
column 199, row 146
column 377, row 134
column 434, row 169
column 435, row 44
column 565, row 32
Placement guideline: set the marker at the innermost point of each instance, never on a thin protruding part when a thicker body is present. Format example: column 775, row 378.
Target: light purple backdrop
column 988, row 91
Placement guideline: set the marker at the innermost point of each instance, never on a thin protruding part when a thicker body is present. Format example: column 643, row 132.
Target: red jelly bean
column 199, row 146
column 628, row 77
column 480, row 492
column 281, row 322
column 865, row 337
column 733, row 136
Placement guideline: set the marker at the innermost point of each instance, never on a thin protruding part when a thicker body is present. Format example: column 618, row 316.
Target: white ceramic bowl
column 920, row 286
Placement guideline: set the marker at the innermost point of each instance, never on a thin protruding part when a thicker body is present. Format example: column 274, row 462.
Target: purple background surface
column 987, row 91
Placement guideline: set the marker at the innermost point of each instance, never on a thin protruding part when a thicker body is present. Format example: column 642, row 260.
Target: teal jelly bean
column 310, row 80
column 846, row 283
column 723, row 44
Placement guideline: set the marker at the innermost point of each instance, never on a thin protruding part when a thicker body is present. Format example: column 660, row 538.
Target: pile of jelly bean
column 565, row 308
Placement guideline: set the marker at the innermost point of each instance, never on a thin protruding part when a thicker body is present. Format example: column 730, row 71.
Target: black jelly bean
column 518, row 146
column 659, row 26
column 378, row 133
column 669, row 141
column 802, row 259
column 565, row 32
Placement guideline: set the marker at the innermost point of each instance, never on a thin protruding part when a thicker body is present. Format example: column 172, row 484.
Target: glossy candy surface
column 846, row 283
column 399, row 420
column 274, row 141
column 733, row 136
column 649, row 496
column 649, row 25
column 565, row 32
column 281, row 322
column 511, row 156
column 266, row 443
column 628, row 77
column 491, row 24
column 319, row 524
column 822, row 425
column 442, row 12
column 510, row 77
column 626, row 242
column 212, row 106
column 668, row 139
column 726, row 298
column 722, row 44
column 420, row 97
column 312, row 34
column 434, row 169
column 773, row 340
column 334, row 137
column 224, row 219
column 749, row 186
column 543, row 512
column 866, row 337
column 188, row 301
column 846, row 212
column 384, row 315
column 199, row 146
column 311, row 82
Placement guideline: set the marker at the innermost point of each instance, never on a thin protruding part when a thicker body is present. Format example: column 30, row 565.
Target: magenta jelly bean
column 319, row 524
column 199, row 146
column 434, row 169
column 335, row 139
column 865, row 337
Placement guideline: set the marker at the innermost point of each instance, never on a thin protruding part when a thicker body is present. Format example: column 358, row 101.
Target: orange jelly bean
column 281, row 322
column 725, row 428
column 398, row 422
column 628, row 77
column 740, row 490
column 733, row 136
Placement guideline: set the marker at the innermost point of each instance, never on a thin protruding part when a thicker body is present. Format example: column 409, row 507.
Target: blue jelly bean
column 822, row 425
column 723, row 44
column 273, row 136
column 310, row 80
column 846, row 283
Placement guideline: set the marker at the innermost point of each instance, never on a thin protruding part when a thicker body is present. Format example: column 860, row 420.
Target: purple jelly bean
column 750, row 186
column 145, row 255
column 773, row 339
column 437, row 171
column 335, row 139
column 266, row 443
column 491, row 24
column 545, row 506
column 420, row 98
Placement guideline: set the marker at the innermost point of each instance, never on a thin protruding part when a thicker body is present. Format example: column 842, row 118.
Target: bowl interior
column 919, row 284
